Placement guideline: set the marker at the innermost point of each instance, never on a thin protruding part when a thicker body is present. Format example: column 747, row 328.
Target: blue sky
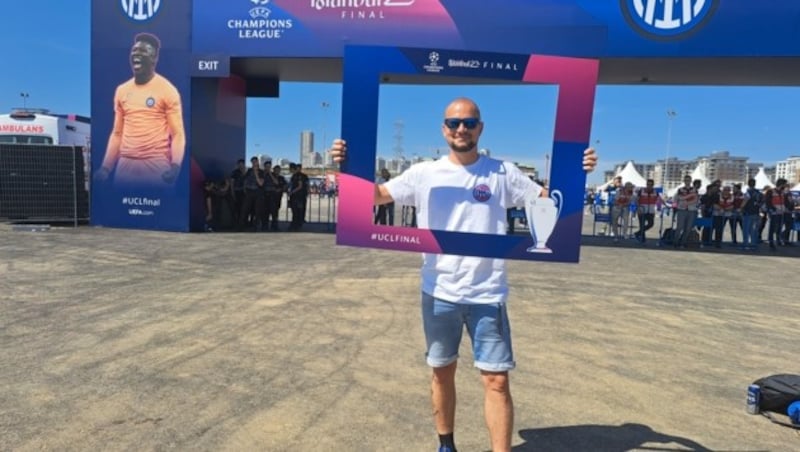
column 49, row 54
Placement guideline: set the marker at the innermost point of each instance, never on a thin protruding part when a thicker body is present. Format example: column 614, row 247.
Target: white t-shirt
column 471, row 198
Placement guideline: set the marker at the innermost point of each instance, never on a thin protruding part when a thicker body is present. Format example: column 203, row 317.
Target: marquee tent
column 629, row 174
column 762, row 180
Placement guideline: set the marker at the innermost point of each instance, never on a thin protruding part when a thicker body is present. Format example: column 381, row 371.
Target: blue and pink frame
column 364, row 69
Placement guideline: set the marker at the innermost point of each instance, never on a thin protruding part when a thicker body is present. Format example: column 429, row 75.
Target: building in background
column 307, row 148
column 721, row 166
column 717, row 165
column 789, row 169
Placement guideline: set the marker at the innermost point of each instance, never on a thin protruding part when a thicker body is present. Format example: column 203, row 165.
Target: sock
column 447, row 441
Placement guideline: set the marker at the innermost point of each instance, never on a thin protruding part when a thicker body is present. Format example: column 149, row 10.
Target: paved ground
column 132, row 340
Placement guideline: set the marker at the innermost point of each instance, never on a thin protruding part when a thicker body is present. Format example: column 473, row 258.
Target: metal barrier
column 41, row 183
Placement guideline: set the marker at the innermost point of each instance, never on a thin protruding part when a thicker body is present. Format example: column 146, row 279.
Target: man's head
column 618, row 181
column 254, row 162
column 240, row 163
column 751, row 183
column 650, row 183
column 276, row 169
column 144, row 56
column 687, row 180
column 462, row 125
column 385, row 173
column 781, row 183
column 292, row 167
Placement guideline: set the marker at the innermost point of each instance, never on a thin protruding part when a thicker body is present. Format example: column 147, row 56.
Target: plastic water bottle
column 794, row 412
column 753, row 399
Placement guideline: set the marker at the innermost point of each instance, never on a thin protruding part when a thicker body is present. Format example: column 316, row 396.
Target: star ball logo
column 140, row 10
column 434, row 65
column 668, row 19
column 482, row 193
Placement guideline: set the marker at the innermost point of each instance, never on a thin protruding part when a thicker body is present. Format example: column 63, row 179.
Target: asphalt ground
column 149, row 341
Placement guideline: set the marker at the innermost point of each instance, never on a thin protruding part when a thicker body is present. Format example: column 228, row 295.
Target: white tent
column 762, row 180
column 796, row 188
column 629, row 174
column 696, row 174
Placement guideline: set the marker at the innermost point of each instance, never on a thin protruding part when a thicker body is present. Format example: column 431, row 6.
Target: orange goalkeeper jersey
column 148, row 113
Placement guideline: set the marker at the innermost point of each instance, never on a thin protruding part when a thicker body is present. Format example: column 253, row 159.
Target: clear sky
column 47, row 53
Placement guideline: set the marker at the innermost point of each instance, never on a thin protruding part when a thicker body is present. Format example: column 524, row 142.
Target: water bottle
column 753, row 399
column 794, row 412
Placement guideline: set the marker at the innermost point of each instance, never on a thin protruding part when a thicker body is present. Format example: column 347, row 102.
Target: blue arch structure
column 217, row 53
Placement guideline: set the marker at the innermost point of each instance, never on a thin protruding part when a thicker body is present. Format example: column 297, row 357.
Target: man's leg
column 443, row 323
column 642, row 226
column 498, row 409
column 443, row 398
column 680, row 228
column 490, row 331
column 747, row 227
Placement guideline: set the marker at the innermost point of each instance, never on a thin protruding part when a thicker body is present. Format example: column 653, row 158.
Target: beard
column 466, row 147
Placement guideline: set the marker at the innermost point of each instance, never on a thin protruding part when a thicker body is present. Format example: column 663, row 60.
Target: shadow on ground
column 603, row 438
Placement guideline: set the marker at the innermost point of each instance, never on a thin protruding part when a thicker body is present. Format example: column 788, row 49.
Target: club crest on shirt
column 481, row 193
column 150, row 102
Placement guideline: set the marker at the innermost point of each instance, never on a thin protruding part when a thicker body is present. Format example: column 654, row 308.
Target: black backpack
column 777, row 393
column 753, row 204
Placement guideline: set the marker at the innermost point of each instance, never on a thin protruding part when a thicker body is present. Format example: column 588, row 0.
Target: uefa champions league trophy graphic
column 542, row 215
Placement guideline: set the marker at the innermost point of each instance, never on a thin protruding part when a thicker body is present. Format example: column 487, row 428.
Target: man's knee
column 495, row 381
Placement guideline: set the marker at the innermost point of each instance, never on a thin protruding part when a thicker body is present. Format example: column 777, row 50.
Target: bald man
column 464, row 191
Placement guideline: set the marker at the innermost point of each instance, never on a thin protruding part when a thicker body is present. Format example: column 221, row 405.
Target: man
column 298, row 195
column 147, row 142
column 254, row 205
column 775, row 203
column 385, row 212
column 685, row 211
column 276, row 185
column 621, row 212
column 752, row 202
column 459, row 290
column 611, row 193
column 646, row 201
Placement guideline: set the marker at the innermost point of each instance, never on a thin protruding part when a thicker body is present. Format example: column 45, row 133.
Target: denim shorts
column 487, row 326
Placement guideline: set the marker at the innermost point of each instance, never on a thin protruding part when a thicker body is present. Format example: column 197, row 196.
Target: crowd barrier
column 41, row 183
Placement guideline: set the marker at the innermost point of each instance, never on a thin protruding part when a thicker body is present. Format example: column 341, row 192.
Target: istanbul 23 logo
column 140, row 10
column 667, row 19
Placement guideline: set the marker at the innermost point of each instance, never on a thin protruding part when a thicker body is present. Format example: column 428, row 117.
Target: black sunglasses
column 469, row 123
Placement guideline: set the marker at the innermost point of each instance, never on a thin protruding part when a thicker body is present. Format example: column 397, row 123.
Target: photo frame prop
column 554, row 222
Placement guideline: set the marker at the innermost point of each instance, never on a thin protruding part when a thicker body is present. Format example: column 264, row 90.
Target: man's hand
column 102, row 174
column 589, row 160
column 170, row 175
column 338, row 150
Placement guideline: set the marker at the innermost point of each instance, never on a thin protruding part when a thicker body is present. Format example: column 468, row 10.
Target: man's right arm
column 382, row 195
column 339, row 152
column 115, row 139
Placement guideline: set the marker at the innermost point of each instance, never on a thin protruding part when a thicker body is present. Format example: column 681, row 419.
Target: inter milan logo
column 150, row 102
column 481, row 193
column 140, row 10
column 667, row 19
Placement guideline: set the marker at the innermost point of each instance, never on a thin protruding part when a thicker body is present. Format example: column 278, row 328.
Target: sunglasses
column 454, row 123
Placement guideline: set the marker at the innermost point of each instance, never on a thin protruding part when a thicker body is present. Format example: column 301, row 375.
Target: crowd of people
column 250, row 198
column 701, row 219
